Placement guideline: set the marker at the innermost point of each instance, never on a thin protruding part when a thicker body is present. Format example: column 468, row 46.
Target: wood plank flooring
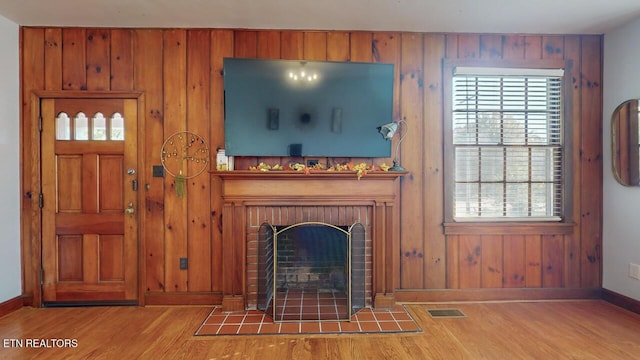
column 583, row 329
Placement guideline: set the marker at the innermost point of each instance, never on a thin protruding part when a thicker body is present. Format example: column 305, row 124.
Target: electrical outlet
column 184, row 263
column 634, row 271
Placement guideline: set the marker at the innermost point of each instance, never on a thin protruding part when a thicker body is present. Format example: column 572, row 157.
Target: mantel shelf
column 313, row 174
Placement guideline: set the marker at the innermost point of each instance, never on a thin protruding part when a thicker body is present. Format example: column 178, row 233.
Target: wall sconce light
column 388, row 131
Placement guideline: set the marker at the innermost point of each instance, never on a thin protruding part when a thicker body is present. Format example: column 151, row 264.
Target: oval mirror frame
column 625, row 145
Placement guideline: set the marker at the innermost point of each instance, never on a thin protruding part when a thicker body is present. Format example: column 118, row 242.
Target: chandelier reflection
column 303, row 75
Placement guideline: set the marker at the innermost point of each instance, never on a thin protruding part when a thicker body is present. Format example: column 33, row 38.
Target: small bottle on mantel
column 223, row 162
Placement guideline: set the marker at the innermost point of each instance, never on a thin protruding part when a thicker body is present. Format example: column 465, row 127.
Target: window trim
column 449, row 67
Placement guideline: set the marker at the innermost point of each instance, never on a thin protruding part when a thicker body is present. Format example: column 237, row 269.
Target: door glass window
column 117, row 127
column 81, row 128
column 98, row 127
column 63, row 127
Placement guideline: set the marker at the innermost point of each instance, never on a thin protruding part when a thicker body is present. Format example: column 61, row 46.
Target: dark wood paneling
column 315, row 45
column 180, row 73
column 268, row 47
column 533, row 261
column 468, row 46
column 491, row 47
column 74, row 61
column 121, row 60
column 98, row 59
column 412, row 248
column 492, row 259
column 552, row 261
column 433, row 190
column 470, row 261
column 148, row 78
column 573, row 258
column 360, row 51
column 175, row 111
column 199, row 187
column 245, row 46
column 533, row 47
column 221, row 47
column 338, row 46
column 53, row 59
column 513, row 47
column 591, row 151
column 514, row 264
column 292, row 45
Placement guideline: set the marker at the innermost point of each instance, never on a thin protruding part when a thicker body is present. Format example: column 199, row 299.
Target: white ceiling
column 477, row 16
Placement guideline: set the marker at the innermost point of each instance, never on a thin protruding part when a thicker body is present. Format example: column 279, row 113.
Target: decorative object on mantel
column 388, row 131
column 223, row 162
column 184, row 155
column 360, row 169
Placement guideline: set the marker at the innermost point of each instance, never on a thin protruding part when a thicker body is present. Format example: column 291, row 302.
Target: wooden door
column 89, row 213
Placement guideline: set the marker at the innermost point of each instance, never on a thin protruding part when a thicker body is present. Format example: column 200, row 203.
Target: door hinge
column 41, row 276
column 40, row 122
column 41, row 200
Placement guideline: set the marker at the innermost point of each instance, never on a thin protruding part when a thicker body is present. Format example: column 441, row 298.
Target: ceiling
column 475, row 16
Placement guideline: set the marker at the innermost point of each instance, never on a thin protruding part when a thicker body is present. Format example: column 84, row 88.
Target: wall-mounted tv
column 306, row 108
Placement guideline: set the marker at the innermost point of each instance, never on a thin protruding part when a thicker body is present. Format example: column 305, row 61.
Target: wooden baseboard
column 622, row 301
column 451, row 295
column 183, row 299
column 11, row 305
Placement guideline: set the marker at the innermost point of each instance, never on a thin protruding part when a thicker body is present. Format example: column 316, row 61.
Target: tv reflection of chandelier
column 303, row 75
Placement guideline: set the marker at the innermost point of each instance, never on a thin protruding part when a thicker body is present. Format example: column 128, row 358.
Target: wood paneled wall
column 179, row 72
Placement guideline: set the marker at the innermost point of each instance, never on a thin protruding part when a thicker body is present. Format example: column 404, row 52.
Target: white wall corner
column 10, row 268
column 621, row 225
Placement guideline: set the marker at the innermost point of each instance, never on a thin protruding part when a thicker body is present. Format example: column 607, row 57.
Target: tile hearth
column 256, row 322
column 310, row 304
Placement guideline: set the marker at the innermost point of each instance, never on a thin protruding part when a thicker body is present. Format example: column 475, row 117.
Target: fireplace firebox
column 311, row 271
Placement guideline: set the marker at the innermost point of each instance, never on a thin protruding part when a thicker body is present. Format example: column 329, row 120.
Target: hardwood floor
column 584, row 329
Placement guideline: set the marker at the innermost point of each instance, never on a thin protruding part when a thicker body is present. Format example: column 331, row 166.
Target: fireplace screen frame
column 268, row 285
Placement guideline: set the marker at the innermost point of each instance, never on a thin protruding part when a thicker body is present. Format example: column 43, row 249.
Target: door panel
column 89, row 243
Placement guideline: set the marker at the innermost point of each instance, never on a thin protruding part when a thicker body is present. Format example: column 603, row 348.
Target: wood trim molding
column 11, row 305
column 183, row 299
column 516, row 228
column 54, row 94
column 620, row 300
column 451, row 295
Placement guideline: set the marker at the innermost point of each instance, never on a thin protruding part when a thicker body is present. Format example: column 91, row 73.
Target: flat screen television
column 306, row 108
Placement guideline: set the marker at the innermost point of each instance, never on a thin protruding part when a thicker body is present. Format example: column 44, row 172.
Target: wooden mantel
column 242, row 189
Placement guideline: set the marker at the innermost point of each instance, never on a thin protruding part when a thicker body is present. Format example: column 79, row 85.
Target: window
column 78, row 127
column 506, row 144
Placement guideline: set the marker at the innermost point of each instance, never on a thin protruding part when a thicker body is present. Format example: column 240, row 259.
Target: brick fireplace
column 252, row 199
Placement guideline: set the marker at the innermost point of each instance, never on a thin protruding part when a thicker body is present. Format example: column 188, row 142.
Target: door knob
column 129, row 210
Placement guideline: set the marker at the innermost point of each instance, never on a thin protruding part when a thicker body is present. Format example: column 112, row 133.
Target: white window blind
column 507, row 140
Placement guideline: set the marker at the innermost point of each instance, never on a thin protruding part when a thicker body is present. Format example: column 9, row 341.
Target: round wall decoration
column 184, row 155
